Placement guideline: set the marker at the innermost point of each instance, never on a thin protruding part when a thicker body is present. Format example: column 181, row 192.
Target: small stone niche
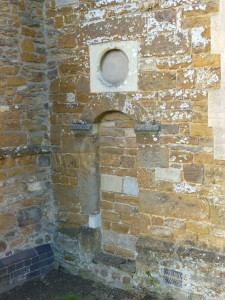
column 113, row 67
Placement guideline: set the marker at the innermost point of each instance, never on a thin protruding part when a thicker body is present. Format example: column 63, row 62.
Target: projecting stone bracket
column 147, row 128
column 81, row 127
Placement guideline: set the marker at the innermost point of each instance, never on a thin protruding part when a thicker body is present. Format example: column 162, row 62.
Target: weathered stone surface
column 193, row 173
column 7, row 222
column 111, row 183
column 153, row 156
column 143, row 128
column 153, row 80
column 44, row 160
column 90, row 240
column 172, row 205
column 65, row 2
column 170, row 174
column 124, row 27
column 28, row 216
column 163, row 43
column 65, row 193
column 3, row 246
column 89, row 190
column 130, row 186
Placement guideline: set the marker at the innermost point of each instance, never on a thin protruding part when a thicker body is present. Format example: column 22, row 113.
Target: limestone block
column 66, row 2
column 114, row 67
column 35, row 186
column 94, row 221
column 111, row 183
column 152, row 157
column 89, row 183
column 193, row 173
column 127, row 241
column 170, row 174
column 110, row 238
column 130, row 186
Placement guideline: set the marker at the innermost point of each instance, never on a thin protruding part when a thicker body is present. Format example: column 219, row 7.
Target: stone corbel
column 81, row 127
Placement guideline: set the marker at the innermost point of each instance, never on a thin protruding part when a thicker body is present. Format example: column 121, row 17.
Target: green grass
column 72, row 298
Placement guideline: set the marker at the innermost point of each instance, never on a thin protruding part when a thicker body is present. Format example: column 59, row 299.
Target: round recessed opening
column 114, row 67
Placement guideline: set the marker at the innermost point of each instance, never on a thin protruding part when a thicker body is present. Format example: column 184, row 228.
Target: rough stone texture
column 193, row 173
column 167, row 258
column 89, row 191
column 169, row 174
column 26, row 208
column 76, row 246
column 111, row 183
column 29, row 216
column 130, row 186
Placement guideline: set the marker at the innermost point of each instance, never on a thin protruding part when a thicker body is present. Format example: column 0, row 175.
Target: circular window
column 114, row 67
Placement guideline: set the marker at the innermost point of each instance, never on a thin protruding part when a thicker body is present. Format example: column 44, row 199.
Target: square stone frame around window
column 96, row 52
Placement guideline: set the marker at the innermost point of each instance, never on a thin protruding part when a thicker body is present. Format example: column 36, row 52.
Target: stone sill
column 114, row 261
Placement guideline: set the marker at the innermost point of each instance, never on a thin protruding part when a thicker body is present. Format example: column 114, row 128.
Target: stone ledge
column 24, row 150
column 148, row 127
column 110, row 260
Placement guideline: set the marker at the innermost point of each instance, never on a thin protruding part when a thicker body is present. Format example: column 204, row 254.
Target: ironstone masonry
column 119, row 181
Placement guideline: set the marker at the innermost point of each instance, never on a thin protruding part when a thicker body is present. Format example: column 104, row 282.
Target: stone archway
column 94, row 111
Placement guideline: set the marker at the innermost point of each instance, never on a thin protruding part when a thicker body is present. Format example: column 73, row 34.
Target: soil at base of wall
column 61, row 283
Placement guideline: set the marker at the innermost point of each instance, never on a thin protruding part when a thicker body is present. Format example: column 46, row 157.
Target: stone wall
column 178, row 176
column 134, row 174
column 178, row 183
column 26, row 213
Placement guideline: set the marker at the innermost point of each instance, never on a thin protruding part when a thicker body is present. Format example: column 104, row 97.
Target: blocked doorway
column 119, row 193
